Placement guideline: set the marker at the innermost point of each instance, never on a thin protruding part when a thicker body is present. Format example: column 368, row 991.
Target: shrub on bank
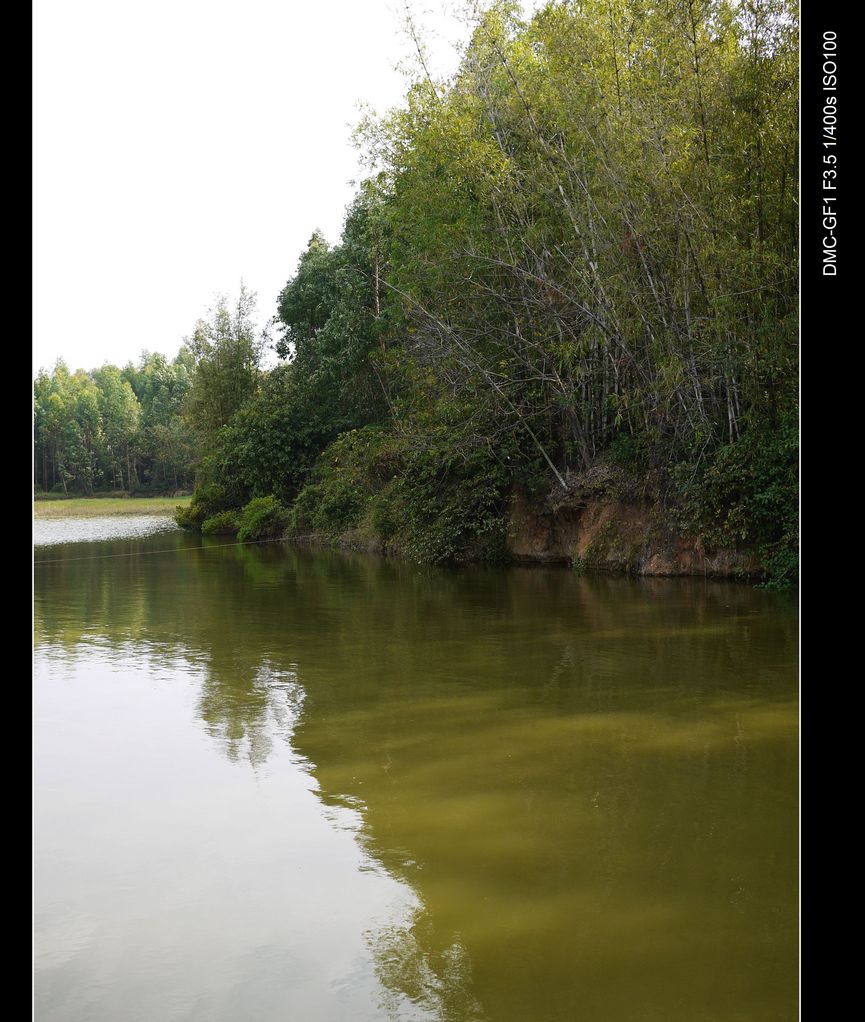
column 262, row 518
column 747, row 493
column 206, row 502
column 223, row 523
column 347, row 478
column 431, row 503
column 451, row 506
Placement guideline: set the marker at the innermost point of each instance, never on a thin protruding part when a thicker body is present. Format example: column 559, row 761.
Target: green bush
column 223, row 523
column 437, row 506
column 338, row 508
column 345, row 483
column 448, row 506
column 262, row 518
column 301, row 514
column 206, row 502
column 383, row 512
column 747, row 493
column 187, row 517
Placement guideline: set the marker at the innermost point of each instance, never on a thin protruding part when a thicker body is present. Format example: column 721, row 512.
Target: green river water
column 281, row 784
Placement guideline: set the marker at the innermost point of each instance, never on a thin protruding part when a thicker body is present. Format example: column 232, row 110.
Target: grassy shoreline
column 97, row 507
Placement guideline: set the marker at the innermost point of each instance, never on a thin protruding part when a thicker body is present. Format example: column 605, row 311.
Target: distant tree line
column 114, row 429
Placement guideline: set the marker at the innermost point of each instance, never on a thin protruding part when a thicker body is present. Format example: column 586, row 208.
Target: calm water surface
column 280, row 784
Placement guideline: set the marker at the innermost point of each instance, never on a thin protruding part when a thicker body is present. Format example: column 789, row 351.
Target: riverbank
column 601, row 521
column 98, row 507
column 599, row 533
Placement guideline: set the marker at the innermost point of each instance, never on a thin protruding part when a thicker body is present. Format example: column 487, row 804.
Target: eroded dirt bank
column 607, row 533
column 598, row 531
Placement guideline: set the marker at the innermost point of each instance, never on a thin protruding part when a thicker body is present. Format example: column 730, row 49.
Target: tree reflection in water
column 589, row 783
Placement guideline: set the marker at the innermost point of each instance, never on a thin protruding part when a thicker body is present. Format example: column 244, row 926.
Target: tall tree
column 227, row 351
column 121, row 416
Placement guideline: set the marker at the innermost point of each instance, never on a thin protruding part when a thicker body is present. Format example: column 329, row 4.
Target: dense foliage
column 146, row 427
column 582, row 248
column 113, row 429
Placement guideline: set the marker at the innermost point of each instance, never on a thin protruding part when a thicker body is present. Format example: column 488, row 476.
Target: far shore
column 97, row 507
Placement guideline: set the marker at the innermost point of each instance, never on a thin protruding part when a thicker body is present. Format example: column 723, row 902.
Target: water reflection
column 411, row 964
column 583, row 789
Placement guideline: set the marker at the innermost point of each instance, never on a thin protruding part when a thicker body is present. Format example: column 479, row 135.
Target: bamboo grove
column 596, row 222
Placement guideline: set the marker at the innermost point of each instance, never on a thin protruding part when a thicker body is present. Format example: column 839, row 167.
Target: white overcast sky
column 181, row 145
